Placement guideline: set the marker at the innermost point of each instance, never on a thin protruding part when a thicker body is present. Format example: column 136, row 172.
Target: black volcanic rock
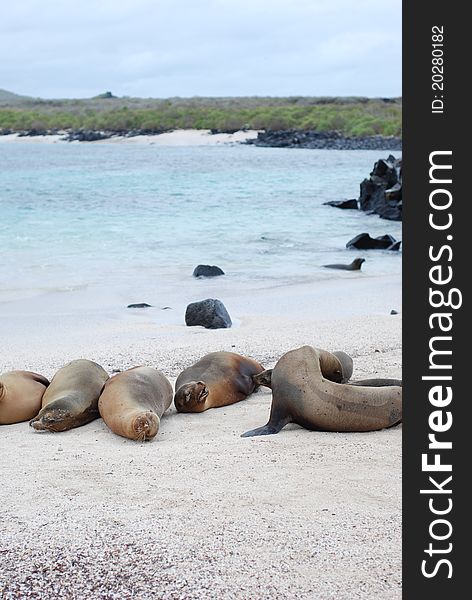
column 86, row 135
column 207, row 271
column 342, row 203
column 210, row 313
column 139, row 305
column 330, row 140
column 363, row 241
column 382, row 192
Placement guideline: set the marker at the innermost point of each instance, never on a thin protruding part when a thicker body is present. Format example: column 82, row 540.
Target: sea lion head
column 54, row 418
column 357, row 263
column 189, row 395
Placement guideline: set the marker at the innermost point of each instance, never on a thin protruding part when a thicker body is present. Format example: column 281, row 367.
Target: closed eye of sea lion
column 217, row 379
column 133, row 402
column 300, row 394
column 336, row 366
column 354, row 266
column 71, row 399
column 21, row 393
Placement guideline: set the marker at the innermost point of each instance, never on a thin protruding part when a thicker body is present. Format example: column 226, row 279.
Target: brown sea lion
column 354, row 266
column 72, row 397
column 335, row 366
column 133, row 402
column 21, row 393
column 217, row 379
column 300, row 394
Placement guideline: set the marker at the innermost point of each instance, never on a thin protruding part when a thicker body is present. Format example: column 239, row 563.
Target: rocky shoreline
column 330, row 140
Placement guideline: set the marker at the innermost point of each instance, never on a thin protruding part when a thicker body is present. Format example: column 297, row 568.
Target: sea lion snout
column 37, row 424
column 190, row 395
column 51, row 421
column 146, row 425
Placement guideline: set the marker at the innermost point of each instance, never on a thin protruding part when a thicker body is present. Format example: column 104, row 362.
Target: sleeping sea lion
column 133, row 402
column 217, row 379
column 21, row 393
column 72, row 397
column 300, row 394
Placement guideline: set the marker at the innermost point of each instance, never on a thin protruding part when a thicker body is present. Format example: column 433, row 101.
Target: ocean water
column 131, row 221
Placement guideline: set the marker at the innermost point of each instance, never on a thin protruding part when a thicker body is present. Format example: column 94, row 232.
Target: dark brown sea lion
column 354, row 266
column 335, row 366
column 217, row 379
column 21, row 393
column 300, row 394
column 133, row 402
column 72, row 397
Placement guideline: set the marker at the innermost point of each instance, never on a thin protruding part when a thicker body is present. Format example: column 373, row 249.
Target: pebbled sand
column 200, row 512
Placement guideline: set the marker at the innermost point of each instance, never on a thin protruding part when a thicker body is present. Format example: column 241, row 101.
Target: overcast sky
column 164, row 48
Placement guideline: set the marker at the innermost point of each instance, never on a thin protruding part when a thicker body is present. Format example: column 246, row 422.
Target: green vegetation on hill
column 349, row 116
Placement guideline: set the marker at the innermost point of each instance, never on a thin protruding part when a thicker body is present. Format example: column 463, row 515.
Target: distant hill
column 11, row 99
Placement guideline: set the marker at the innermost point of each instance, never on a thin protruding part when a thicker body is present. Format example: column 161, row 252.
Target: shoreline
column 178, row 137
column 330, row 140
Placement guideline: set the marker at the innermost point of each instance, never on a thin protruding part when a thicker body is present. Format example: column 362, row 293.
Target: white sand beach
column 200, row 512
column 178, row 137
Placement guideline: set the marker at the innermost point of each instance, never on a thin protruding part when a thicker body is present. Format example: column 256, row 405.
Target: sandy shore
column 201, row 512
column 178, row 137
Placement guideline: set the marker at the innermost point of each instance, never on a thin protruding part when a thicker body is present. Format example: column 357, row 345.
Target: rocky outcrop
column 87, row 135
column 91, row 135
column 209, row 313
column 207, row 271
column 343, row 203
column 363, row 241
column 139, row 305
column 331, row 140
column 382, row 192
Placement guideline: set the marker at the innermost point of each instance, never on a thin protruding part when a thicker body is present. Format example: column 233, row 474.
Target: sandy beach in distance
column 200, row 512
column 178, row 137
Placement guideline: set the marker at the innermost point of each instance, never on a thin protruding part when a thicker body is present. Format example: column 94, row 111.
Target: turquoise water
column 138, row 218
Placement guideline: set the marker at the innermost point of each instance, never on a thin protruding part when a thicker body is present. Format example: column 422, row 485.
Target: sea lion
column 21, row 393
column 133, row 402
column 72, row 397
column 217, row 379
column 354, row 266
column 300, row 394
column 335, row 366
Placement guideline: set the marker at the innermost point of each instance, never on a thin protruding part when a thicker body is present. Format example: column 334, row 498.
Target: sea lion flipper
column 266, row 430
column 263, row 378
column 40, row 379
